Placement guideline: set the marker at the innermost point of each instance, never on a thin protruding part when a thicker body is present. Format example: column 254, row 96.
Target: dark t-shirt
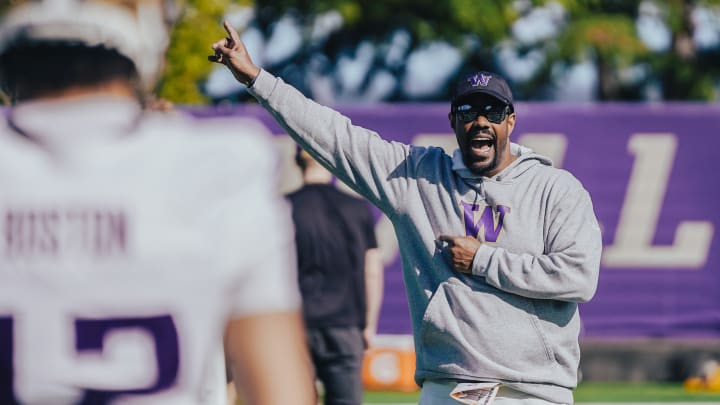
column 333, row 232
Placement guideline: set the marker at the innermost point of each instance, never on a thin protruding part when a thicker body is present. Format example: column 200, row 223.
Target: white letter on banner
column 446, row 141
column 551, row 145
column 632, row 246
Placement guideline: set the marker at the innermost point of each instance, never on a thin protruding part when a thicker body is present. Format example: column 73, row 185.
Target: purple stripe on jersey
column 7, row 381
column 91, row 334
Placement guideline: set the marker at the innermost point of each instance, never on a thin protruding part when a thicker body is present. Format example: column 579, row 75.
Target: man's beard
column 483, row 170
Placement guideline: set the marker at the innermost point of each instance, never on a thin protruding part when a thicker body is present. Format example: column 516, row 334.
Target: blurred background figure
column 340, row 273
column 132, row 245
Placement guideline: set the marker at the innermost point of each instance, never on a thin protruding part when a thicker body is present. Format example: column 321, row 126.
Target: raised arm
column 357, row 156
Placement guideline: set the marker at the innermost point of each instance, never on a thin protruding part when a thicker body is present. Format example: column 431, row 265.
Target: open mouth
column 481, row 145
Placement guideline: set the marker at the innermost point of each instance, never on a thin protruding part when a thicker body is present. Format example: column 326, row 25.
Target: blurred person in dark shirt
column 340, row 273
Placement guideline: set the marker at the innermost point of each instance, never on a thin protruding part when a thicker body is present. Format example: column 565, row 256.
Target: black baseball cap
column 483, row 83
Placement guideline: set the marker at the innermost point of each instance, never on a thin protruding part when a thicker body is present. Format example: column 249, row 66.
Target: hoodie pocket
column 483, row 331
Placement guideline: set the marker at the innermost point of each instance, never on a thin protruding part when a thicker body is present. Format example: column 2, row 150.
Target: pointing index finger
column 231, row 32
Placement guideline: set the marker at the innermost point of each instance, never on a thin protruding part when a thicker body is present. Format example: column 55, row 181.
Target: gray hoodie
column 515, row 319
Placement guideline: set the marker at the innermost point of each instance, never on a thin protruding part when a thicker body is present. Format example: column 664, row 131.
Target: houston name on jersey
column 60, row 231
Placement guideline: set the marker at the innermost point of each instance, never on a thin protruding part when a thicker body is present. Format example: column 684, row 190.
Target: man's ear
column 451, row 119
column 511, row 123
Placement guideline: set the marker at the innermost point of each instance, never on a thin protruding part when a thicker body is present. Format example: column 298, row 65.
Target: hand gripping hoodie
column 515, row 319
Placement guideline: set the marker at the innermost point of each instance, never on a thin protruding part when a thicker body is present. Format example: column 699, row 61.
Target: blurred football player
column 133, row 242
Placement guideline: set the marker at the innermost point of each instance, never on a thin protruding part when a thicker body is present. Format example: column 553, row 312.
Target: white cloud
column 576, row 83
column 285, row 40
column 707, row 27
column 325, row 24
column 429, row 68
column 351, row 71
column 539, row 24
column 221, row 83
column 651, row 27
column 516, row 66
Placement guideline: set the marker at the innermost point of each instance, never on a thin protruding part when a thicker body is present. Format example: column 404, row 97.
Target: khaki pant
column 438, row 393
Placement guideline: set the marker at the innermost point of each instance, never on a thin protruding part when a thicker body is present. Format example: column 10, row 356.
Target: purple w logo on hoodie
column 487, row 221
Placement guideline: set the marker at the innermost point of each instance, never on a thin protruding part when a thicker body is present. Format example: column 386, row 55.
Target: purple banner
column 654, row 176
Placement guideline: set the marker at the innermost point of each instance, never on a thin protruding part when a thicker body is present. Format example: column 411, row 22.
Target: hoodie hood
column 526, row 159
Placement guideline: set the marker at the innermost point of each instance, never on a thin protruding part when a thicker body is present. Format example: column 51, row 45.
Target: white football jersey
column 127, row 242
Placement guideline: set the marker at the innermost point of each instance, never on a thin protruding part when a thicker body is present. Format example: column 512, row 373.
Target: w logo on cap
column 479, row 79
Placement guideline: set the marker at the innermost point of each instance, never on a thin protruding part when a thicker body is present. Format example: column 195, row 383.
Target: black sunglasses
column 494, row 112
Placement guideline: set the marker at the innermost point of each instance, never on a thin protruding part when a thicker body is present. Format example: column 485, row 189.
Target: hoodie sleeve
column 357, row 156
column 568, row 270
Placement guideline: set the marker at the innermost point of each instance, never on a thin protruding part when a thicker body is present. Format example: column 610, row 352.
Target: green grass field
column 589, row 392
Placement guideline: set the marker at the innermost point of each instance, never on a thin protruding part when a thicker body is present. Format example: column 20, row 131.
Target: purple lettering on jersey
column 90, row 336
column 114, row 237
column 486, row 222
column 52, row 233
column 31, row 230
column 13, row 241
column 7, row 395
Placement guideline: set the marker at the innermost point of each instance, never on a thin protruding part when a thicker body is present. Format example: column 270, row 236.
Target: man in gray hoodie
column 497, row 246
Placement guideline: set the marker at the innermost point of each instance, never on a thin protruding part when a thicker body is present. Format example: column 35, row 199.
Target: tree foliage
column 602, row 30
column 187, row 65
